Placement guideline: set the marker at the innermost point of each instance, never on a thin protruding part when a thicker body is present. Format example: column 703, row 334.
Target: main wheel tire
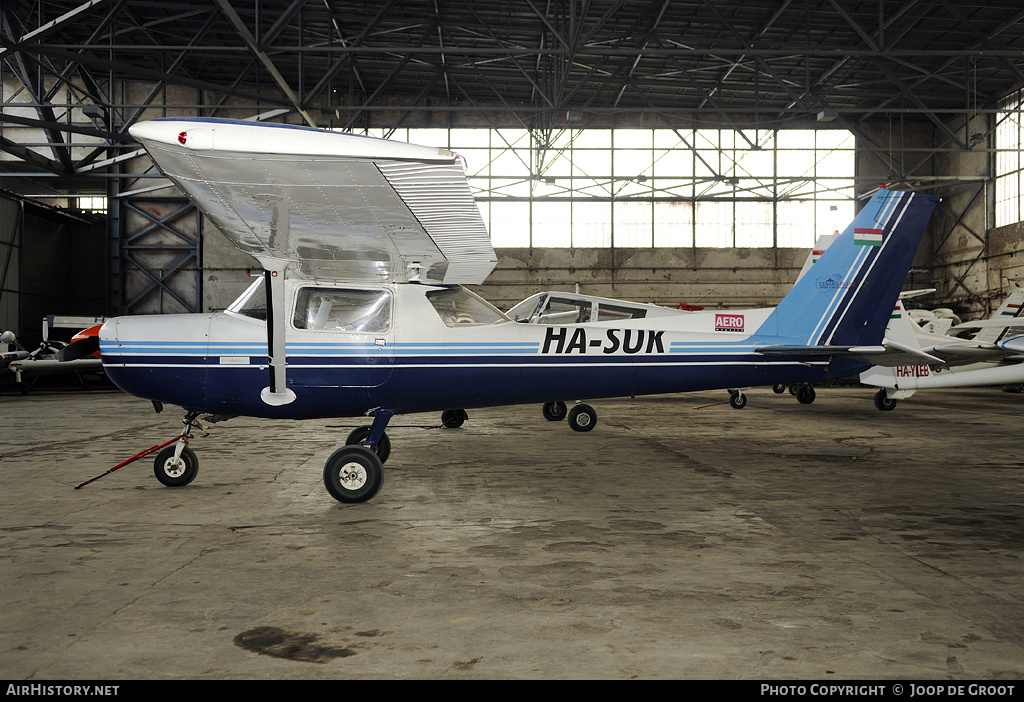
column 554, row 411
column 357, row 435
column 453, row 419
column 884, row 402
column 778, row 389
column 176, row 473
column 805, row 395
column 738, row 400
column 582, row 418
column 353, row 474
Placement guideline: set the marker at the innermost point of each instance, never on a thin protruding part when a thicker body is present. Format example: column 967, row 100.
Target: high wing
column 328, row 204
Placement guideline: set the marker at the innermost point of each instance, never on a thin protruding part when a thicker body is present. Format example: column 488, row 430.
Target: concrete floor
column 677, row 540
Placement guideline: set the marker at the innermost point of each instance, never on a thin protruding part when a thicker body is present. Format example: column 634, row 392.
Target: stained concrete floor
column 677, row 540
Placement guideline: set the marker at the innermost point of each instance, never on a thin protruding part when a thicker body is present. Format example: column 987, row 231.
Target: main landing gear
column 581, row 417
column 883, row 402
column 453, row 419
column 803, row 392
column 355, row 472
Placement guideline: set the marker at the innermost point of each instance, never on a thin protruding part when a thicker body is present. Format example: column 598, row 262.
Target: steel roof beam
column 253, row 45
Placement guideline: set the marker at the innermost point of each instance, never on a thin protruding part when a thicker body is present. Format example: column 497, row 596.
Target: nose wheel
column 737, row 399
column 176, row 471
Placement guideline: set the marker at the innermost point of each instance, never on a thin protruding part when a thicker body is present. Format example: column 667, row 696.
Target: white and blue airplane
column 366, row 245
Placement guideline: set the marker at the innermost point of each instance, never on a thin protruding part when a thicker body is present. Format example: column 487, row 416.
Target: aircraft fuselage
column 424, row 350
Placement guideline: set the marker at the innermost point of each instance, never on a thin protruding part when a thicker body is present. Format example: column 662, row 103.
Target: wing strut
column 277, row 393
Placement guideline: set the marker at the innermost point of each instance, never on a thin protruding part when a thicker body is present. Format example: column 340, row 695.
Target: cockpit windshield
column 253, row 302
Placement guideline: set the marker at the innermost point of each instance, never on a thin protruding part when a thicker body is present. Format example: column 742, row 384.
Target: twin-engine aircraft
column 365, row 245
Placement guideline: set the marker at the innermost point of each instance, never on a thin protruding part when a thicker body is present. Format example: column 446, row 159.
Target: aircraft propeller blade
column 79, row 349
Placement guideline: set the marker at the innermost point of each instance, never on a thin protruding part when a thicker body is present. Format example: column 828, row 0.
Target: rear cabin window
column 612, row 313
column 334, row 309
column 458, row 306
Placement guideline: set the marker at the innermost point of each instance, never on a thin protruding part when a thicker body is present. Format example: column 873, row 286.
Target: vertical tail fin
column 847, row 296
column 1011, row 311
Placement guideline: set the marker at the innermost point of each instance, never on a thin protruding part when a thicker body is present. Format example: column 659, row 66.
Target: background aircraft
column 994, row 356
column 46, row 359
column 365, row 244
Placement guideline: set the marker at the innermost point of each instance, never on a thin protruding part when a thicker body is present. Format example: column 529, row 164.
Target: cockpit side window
column 561, row 310
column 336, row 309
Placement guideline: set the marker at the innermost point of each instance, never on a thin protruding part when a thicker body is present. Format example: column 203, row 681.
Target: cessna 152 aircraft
column 365, row 245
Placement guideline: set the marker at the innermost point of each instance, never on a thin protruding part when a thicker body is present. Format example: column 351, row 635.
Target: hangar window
column 642, row 188
column 1009, row 164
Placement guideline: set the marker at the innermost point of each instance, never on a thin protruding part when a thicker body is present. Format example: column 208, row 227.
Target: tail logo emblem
column 831, row 284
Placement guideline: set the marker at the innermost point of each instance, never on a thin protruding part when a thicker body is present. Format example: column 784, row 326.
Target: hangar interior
column 652, row 150
column 667, row 151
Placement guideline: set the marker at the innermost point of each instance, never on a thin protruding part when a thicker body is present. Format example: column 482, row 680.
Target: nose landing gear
column 177, row 466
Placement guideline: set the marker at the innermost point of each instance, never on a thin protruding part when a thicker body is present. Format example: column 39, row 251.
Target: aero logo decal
column 729, row 322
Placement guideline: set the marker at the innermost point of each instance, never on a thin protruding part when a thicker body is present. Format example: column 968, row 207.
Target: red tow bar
column 130, row 460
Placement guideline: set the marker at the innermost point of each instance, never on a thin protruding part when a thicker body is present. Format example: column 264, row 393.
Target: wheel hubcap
column 352, row 476
column 174, row 469
column 583, row 419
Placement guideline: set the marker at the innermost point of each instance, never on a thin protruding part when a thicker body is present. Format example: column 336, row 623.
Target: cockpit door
column 341, row 336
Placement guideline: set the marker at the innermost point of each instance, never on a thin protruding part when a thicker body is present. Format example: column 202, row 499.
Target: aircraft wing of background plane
column 1005, row 323
column 331, row 205
column 994, row 357
column 999, row 340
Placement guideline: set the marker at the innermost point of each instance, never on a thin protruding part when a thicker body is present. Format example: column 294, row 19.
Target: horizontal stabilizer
column 1016, row 344
column 890, row 353
column 853, row 351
